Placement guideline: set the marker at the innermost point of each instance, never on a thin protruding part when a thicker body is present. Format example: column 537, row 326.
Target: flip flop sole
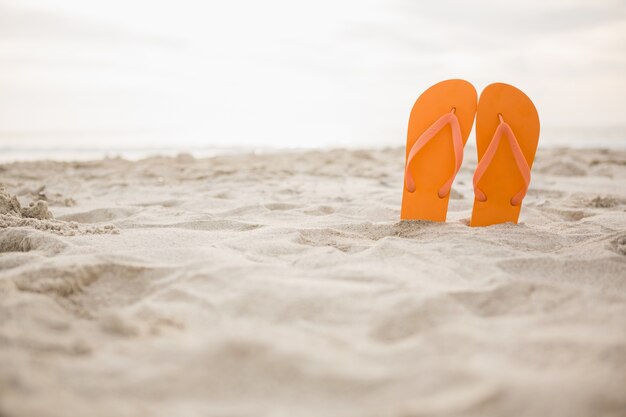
column 434, row 163
column 502, row 179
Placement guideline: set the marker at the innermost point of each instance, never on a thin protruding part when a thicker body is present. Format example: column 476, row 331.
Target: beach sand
column 284, row 285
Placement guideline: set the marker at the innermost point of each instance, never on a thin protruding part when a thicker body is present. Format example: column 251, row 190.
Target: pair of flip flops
column 507, row 133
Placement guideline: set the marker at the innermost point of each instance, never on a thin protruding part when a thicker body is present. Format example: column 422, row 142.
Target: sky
column 285, row 74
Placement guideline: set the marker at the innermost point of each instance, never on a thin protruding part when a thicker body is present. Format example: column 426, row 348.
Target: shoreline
column 12, row 154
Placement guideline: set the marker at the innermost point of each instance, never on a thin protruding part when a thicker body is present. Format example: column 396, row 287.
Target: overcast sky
column 289, row 73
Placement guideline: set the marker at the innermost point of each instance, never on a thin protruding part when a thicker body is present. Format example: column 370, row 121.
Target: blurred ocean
column 90, row 146
column 82, row 79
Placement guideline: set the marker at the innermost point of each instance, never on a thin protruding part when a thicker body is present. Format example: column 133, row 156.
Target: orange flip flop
column 507, row 134
column 440, row 123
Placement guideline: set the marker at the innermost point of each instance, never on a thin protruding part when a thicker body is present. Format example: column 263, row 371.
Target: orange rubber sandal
column 503, row 172
column 434, row 152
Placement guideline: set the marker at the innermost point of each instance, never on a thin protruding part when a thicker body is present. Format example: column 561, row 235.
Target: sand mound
column 9, row 205
column 37, row 216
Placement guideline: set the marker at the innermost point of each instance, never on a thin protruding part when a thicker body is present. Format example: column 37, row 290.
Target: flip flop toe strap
column 457, row 141
column 503, row 129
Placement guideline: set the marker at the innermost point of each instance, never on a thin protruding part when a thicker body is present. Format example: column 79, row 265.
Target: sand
column 284, row 285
